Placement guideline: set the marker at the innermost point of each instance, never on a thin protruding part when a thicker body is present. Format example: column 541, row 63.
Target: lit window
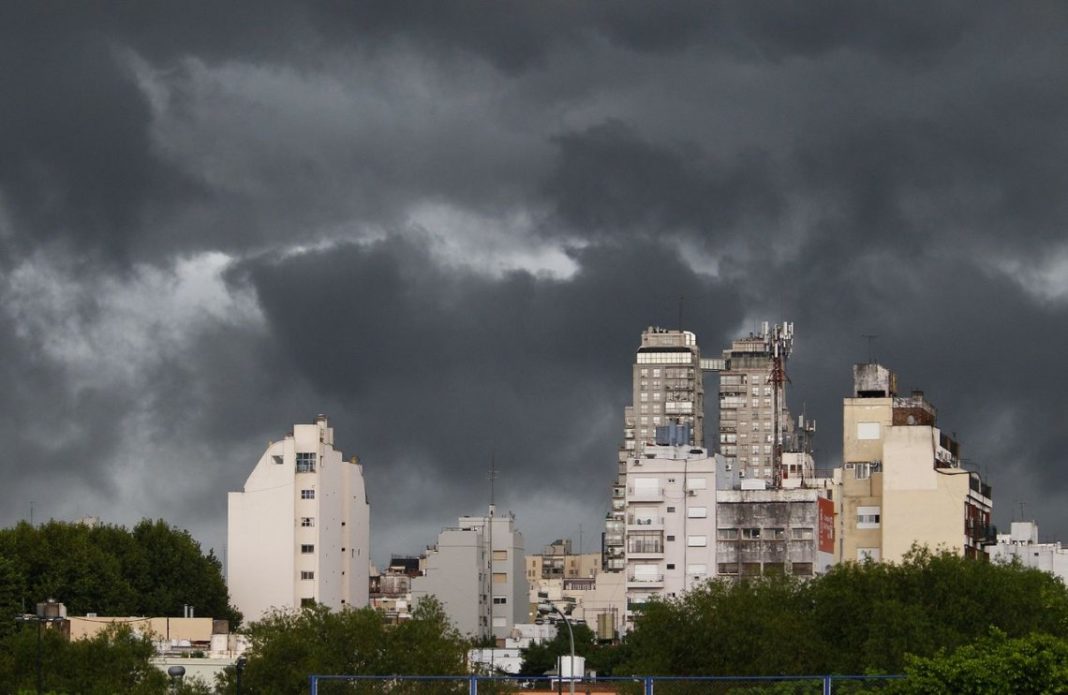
column 307, row 494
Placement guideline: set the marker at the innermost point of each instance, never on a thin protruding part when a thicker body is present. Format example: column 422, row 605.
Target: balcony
column 647, row 581
column 644, row 494
column 645, row 522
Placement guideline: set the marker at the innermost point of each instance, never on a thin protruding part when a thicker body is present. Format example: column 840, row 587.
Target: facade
column 748, row 399
column 299, row 531
column 1021, row 544
column 902, row 482
column 479, row 598
column 764, row 532
column 670, row 517
column 557, row 561
column 667, row 388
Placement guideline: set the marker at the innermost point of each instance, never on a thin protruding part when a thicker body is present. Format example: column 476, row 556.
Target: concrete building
column 748, row 399
column 1021, row 544
column 480, row 598
column 902, row 482
column 670, row 517
column 299, row 532
column 667, row 387
column 558, row 561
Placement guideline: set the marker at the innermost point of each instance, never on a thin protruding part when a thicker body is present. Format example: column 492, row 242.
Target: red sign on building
column 826, row 530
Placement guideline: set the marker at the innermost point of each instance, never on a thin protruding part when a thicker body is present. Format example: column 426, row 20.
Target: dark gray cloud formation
column 446, row 224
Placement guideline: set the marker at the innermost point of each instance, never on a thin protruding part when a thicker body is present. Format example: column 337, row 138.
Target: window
column 305, row 462
column 500, row 600
column 307, row 494
column 307, row 602
column 727, row 534
column 671, row 538
column 861, row 471
column 307, row 548
column 867, row 430
column 500, row 555
column 671, row 565
column 868, row 517
column 697, row 569
column 801, row 534
column 728, row 568
column 670, row 510
column 307, row 521
column 697, row 512
column 306, row 574
column 697, row 541
column 802, row 569
column 867, row 554
column 751, row 533
column 696, row 483
column 776, row 533
column 500, row 577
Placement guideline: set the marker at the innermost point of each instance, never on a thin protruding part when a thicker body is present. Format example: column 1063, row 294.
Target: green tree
column 114, row 661
column 1036, row 664
column 857, row 618
column 538, row 659
column 152, row 570
column 287, row 647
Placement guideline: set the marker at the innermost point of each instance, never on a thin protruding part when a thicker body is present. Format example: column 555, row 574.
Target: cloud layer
column 446, row 225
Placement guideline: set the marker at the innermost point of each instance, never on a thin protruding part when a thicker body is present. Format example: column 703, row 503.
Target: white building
column 1021, row 543
column 670, row 520
column 475, row 595
column 299, row 532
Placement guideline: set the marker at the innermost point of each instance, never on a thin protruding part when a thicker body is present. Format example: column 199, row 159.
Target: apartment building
column 667, row 387
column 670, row 518
column 477, row 571
column 902, row 481
column 299, row 531
column 1021, row 545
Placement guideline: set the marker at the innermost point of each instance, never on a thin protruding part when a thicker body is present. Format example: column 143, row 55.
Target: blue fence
column 824, row 684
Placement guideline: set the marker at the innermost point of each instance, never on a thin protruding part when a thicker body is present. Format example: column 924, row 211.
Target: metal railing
column 817, row 684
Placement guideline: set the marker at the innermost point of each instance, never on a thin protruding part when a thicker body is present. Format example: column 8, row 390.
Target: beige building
column 902, row 482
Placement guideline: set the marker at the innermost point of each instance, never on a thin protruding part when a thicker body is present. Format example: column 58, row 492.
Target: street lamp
column 48, row 612
column 544, row 608
column 176, row 673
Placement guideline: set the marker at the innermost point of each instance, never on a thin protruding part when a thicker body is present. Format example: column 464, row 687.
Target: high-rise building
column 667, row 388
column 750, row 394
column 902, row 482
column 299, row 531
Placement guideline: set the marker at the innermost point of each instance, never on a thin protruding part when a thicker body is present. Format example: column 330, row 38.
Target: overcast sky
column 446, row 224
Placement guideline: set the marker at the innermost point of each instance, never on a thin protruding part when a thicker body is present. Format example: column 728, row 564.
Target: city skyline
column 448, row 235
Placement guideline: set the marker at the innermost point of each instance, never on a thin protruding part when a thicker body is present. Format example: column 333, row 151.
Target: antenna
column 682, row 300
column 871, row 340
column 492, row 481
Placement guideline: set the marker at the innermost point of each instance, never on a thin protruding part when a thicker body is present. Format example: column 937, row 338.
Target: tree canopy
column 857, row 618
column 287, row 647
column 153, row 569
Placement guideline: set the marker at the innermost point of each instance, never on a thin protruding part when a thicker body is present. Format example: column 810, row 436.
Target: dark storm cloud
column 436, row 369
column 889, row 168
column 608, row 180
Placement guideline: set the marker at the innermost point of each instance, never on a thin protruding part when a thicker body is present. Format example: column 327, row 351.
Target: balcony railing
column 646, row 494
column 633, row 520
column 646, row 579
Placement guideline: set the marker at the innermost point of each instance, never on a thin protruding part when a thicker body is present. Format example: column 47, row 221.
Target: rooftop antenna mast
column 682, row 299
column 779, row 341
column 489, row 542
